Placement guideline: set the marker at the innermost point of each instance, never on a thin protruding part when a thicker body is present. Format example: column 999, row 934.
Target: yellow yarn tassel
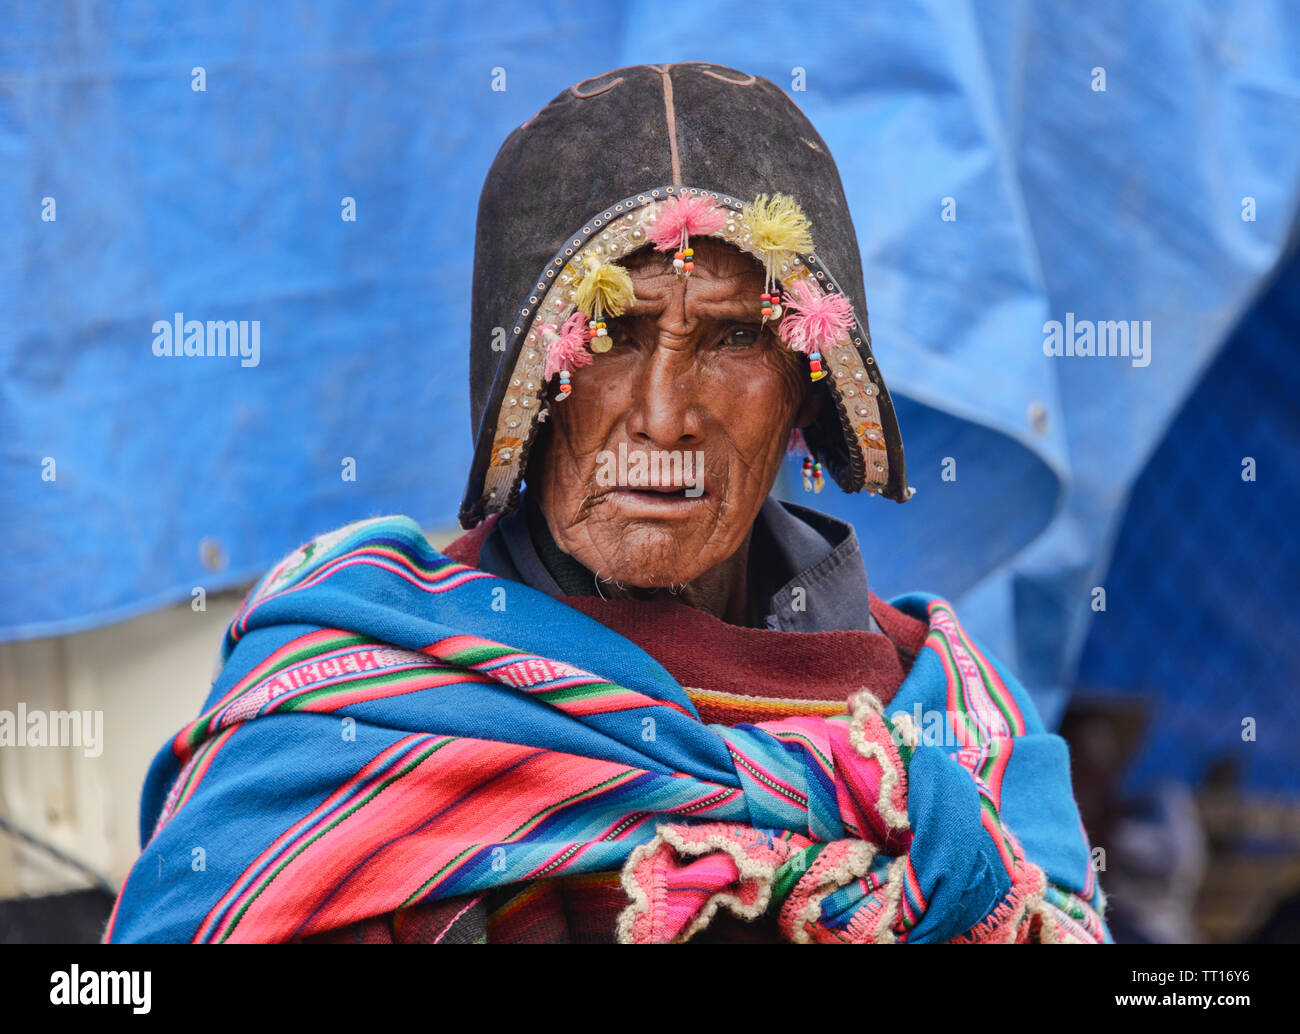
column 778, row 225
column 605, row 290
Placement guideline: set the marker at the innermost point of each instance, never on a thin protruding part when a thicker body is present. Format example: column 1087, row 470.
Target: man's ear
column 811, row 408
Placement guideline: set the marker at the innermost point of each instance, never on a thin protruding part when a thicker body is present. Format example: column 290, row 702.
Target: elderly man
column 641, row 700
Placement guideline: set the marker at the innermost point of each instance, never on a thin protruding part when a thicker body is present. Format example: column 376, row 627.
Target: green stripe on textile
column 424, row 887
column 604, row 784
column 303, row 653
column 474, row 655
column 790, row 872
column 994, row 694
column 356, row 806
column 300, row 703
column 568, row 693
column 799, row 737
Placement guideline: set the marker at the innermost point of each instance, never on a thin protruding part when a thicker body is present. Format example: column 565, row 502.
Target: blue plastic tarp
column 1115, row 204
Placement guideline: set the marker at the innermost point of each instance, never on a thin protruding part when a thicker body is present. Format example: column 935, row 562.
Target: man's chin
column 653, row 582
column 650, row 557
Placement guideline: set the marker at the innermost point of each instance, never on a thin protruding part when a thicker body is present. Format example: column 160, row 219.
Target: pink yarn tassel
column 797, row 446
column 692, row 216
column 813, row 320
column 569, row 350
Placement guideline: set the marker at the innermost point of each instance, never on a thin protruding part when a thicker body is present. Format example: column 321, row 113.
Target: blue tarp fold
column 224, row 204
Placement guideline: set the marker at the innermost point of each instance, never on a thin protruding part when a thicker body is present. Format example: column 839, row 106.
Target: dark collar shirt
column 806, row 573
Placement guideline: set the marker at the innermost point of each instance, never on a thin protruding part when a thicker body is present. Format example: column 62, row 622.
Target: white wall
column 149, row 676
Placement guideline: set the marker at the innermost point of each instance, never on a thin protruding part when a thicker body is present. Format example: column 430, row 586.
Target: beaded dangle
column 605, row 288
column 770, row 300
column 813, row 480
column 815, row 371
column 771, row 304
column 566, row 350
column 680, row 218
column 811, row 470
column 815, row 320
column 779, row 230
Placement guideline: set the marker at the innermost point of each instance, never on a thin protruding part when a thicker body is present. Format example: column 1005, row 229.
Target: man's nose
column 665, row 411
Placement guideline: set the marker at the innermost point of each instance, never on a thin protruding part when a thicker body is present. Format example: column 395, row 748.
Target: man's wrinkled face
column 691, row 374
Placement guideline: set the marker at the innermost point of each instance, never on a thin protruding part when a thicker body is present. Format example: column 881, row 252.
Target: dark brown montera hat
column 587, row 181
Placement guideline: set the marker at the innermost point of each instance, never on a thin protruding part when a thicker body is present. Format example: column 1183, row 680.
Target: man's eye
column 741, row 337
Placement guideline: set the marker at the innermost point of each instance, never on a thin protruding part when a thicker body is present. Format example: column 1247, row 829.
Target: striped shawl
column 391, row 728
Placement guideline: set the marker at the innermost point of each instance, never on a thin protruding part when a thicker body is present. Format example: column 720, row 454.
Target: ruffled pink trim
column 680, row 879
column 813, row 320
column 694, row 216
column 569, row 350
